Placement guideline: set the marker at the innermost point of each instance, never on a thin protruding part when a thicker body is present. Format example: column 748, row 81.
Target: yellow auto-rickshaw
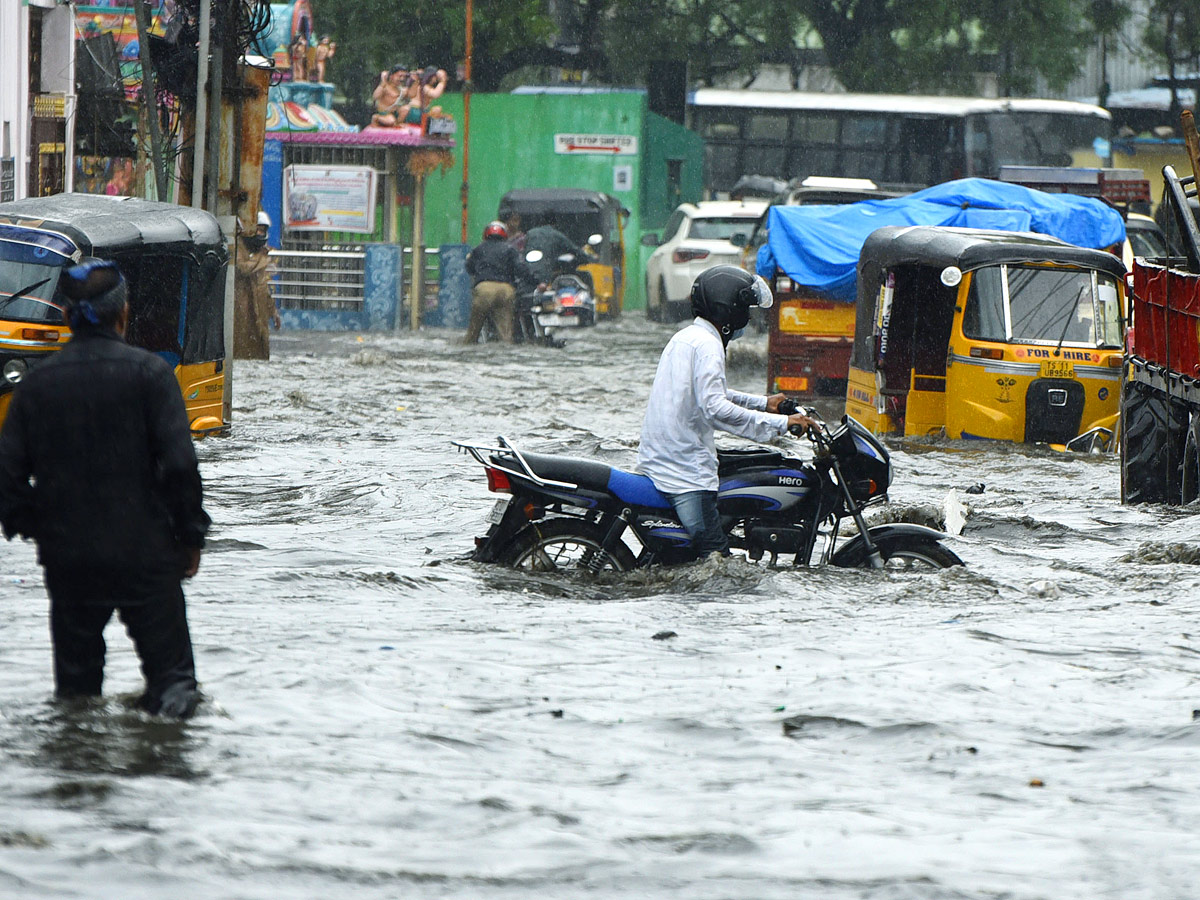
column 580, row 215
column 987, row 334
column 174, row 260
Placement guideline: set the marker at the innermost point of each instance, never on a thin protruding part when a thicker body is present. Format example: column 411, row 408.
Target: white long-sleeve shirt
column 688, row 401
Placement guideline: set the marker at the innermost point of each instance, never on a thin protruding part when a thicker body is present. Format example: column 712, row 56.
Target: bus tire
column 1152, row 433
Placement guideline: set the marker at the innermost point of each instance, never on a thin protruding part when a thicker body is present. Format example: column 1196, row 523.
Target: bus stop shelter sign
column 610, row 144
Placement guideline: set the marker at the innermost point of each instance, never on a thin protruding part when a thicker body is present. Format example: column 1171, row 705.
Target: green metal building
column 603, row 141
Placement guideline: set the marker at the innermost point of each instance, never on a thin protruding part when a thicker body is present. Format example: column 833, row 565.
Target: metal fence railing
column 326, row 277
column 333, row 276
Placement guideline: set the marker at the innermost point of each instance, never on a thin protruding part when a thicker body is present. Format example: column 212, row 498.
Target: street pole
column 149, row 107
column 466, row 139
column 198, row 141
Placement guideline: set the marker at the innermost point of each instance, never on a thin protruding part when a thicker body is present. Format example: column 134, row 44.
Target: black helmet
column 724, row 294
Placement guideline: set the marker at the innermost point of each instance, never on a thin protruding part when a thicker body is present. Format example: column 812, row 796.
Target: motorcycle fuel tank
column 767, row 491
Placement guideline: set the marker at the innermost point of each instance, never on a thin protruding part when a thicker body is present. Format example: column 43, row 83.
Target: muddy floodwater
column 385, row 720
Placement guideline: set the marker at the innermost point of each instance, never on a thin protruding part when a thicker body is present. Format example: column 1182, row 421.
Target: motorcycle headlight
column 14, row 370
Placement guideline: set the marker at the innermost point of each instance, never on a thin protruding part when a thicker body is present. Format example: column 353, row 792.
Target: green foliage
column 872, row 45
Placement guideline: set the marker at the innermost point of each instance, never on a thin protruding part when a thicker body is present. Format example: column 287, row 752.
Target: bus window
column 1042, row 139
column 815, row 128
column 766, row 127
column 806, row 161
column 721, row 124
column 723, row 164
column 758, row 160
column 860, row 130
column 983, row 316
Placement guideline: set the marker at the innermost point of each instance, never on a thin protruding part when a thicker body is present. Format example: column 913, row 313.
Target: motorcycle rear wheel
column 566, row 545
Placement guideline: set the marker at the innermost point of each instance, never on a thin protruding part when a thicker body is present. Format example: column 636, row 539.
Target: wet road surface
column 385, row 720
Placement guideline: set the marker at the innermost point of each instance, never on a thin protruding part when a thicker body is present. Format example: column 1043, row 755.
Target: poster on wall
column 329, row 198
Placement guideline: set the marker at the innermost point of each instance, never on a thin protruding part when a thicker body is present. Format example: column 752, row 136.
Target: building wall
column 14, row 98
column 513, row 146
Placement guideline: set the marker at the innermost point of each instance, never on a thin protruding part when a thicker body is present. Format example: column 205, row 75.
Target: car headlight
column 14, row 370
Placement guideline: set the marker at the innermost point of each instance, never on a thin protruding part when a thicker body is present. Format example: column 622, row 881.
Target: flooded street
column 384, row 720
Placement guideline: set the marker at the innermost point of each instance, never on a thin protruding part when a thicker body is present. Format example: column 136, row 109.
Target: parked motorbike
column 576, row 514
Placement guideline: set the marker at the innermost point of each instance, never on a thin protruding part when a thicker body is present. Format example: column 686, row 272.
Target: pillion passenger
column 97, row 466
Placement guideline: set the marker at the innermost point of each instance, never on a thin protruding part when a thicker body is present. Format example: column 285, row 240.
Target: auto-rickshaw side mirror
column 739, row 239
column 651, row 239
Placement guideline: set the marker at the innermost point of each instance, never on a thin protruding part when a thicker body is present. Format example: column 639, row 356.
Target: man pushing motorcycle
column 690, row 400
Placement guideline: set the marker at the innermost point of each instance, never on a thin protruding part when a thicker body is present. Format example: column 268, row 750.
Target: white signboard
column 622, row 178
column 329, row 198
column 611, row 144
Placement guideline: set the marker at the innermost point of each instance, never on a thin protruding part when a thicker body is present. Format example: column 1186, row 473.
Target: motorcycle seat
column 586, row 473
column 636, row 490
column 730, row 461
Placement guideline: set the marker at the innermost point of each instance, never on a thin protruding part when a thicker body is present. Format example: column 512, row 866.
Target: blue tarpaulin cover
column 818, row 246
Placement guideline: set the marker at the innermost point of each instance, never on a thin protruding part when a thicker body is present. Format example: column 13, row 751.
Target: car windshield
column 720, row 228
column 27, row 292
column 1045, row 305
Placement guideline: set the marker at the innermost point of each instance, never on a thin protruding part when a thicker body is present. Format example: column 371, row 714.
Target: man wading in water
column 97, row 466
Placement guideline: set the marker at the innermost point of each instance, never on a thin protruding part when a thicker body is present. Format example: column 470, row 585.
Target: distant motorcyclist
column 690, row 400
column 552, row 244
column 496, row 269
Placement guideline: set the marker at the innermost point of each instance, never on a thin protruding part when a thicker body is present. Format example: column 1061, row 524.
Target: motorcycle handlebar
column 790, row 407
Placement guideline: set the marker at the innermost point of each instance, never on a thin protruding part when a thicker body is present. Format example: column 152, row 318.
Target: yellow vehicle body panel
column 203, row 388
column 862, row 402
column 607, row 303
column 816, row 317
column 986, row 397
column 202, row 384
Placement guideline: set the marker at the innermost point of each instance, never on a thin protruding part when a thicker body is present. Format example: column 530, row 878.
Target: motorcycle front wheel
column 910, row 554
column 566, row 545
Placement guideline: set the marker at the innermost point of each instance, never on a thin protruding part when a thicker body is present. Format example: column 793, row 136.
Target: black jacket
column 100, row 429
column 497, row 260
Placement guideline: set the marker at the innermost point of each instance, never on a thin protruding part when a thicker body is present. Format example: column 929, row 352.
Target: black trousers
column 156, row 624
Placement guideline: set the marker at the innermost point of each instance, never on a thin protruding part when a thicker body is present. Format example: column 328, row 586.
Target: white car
column 695, row 238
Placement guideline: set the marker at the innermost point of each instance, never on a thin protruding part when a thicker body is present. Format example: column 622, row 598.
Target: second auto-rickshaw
column 987, row 334
column 580, row 214
column 174, row 261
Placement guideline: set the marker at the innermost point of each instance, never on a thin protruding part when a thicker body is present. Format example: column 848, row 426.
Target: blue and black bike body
column 567, row 513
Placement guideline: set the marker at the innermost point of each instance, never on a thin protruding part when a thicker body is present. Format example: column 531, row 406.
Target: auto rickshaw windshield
column 1029, row 304
column 27, row 290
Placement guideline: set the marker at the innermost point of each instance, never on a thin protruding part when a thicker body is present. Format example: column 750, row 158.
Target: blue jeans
column 697, row 512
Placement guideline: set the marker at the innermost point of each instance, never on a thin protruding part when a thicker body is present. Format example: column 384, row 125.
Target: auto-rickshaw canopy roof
column 818, row 246
column 538, row 202
column 971, row 248
column 101, row 225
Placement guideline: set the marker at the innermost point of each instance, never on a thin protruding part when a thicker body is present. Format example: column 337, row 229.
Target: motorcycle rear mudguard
column 490, row 547
column 854, row 554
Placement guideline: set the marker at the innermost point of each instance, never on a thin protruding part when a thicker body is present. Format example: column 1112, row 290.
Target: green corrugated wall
column 512, row 146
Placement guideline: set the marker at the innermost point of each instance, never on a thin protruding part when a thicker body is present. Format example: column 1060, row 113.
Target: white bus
column 896, row 140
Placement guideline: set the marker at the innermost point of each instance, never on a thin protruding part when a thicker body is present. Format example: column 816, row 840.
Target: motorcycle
column 564, row 514
column 568, row 301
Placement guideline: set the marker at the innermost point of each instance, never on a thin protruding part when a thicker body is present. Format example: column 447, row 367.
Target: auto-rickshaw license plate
column 497, row 513
column 1058, row 368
